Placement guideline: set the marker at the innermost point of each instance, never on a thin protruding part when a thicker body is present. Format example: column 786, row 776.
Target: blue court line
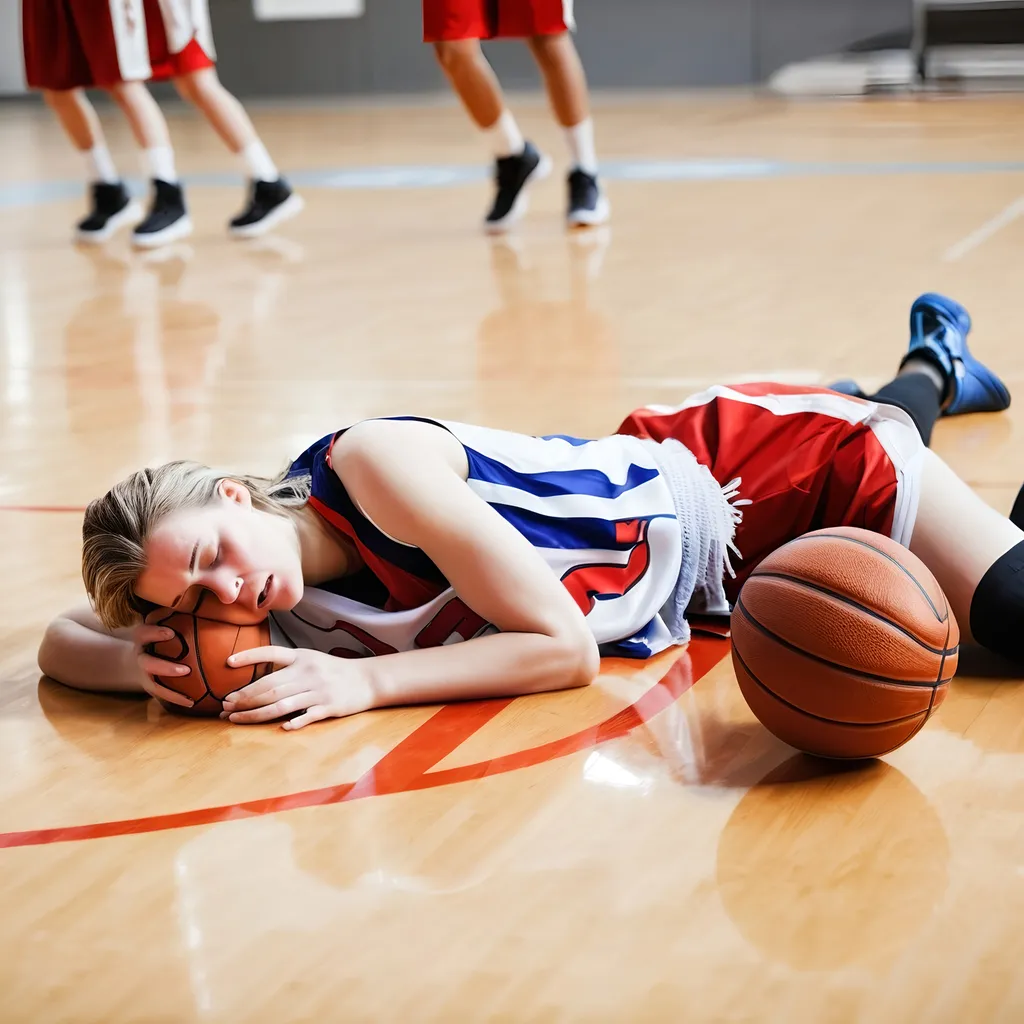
column 414, row 176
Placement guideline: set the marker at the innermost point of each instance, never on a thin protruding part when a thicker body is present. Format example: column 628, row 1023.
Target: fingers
column 154, row 666
column 279, row 708
column 317, row 713
column 263, row 692
column 154, row 689
column 152, row 634
column 279, row 656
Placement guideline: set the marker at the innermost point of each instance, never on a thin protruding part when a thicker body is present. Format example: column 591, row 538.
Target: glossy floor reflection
column 642, row 850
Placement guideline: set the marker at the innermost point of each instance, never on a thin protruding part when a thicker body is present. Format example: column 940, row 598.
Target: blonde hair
column 117, row 525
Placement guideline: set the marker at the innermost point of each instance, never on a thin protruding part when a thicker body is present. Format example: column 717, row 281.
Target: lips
column 265, row 592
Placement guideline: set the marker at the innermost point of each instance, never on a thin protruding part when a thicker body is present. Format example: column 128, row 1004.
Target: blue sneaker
column 847, row 387
column 938, row 329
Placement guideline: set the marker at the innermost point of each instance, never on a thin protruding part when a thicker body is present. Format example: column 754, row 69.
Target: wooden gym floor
column 640, row 851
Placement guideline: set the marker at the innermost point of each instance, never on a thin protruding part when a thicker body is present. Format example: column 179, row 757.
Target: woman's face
column 244, row 557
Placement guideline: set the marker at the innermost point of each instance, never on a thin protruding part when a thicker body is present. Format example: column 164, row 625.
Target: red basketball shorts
column 807, row 458
column 445, row 20
column 72, row 44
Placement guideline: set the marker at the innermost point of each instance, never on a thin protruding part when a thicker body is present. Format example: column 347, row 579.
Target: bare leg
column 225, row 114
column 473, row 80
column 145, row 118
column 112, row 206
column 167, row 220
column 77, row 117
column 271, row 201
column 564, row 77
column 566, row 84
column 959, row 537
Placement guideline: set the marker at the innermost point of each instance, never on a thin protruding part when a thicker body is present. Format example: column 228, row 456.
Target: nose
column 225, row 587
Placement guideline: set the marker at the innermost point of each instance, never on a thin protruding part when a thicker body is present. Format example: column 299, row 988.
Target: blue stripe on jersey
column 591, row 482
column 635, row 646
column 576, row 442
column 570, row 533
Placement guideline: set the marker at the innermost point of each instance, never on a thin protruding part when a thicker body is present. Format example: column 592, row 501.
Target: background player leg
column 517, row 162
column 271, row 199
column 168, row 219
column 112, row 206
column 566, row 85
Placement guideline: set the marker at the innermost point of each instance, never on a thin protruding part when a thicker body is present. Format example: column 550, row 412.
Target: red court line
column 406, row 767
column 42, row 508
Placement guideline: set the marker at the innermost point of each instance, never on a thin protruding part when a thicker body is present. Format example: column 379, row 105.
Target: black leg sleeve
column 917, row 395
column 997, row 608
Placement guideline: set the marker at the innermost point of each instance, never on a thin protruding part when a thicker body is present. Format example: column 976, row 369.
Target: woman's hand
column 150, row 665
column 319, row 685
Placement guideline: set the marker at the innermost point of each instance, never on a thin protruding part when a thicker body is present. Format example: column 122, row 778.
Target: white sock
column 100, row 165
column 258, row 163
column 159, row 163
column 581, row 146
column 504, row 136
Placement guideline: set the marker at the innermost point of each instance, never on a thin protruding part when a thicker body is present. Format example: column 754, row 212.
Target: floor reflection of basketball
column 843, row 643
column 859, row 845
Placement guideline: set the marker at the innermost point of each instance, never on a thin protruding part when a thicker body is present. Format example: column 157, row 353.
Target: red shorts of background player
column 72, row 44
column 807, row 458
column 448, row 20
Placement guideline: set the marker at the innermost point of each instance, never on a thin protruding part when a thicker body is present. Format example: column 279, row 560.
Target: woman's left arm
column 410, row 479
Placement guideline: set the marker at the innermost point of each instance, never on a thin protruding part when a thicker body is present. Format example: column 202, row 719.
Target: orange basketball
column 204, row 641
column 843, row 643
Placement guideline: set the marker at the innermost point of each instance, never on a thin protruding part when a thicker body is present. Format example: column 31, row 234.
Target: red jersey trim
column 405, row 590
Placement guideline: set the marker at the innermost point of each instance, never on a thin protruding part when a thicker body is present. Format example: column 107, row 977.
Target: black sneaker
column 112, row 209
column 588, row 205
column 270, row 203
column 167, row 220
column 512, row 175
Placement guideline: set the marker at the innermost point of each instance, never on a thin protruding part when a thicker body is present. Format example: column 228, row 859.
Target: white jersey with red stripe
column 599, row 512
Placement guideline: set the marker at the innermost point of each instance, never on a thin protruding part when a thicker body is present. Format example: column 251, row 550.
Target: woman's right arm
column 79, row 651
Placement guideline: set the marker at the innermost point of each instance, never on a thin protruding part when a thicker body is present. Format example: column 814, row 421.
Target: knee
column 121, row 93
column 198, row 87
column 997, row 607
column 545, row 49
column 55, row 99
column 456, row 53
column 186, row 89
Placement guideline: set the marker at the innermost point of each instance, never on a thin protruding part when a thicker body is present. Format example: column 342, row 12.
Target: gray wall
column 625, row 43
column 11, row 77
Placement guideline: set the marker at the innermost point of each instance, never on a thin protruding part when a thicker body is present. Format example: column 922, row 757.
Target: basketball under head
column 205, row 646
column 843, row 643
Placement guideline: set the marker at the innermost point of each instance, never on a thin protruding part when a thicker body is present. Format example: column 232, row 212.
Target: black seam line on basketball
column 854, row 604
column 199, row 662
column 811, row 714
column 863, row 544
column 824, row 661
column 942, row 664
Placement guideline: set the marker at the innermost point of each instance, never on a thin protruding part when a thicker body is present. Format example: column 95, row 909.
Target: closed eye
column 216, row 559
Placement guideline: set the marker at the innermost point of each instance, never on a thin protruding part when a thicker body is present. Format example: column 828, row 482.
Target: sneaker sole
column 591, row 218
column 131, row 214
column 172, row 233
column 522, row 203
column 291, row 207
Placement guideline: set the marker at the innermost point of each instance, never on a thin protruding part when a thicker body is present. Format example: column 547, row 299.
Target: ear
column 235, row 492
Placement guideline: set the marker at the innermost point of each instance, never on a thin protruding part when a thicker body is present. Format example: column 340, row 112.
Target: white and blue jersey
column 600, row 513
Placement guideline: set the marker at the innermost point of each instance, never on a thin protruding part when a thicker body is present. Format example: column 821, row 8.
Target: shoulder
column 381, row 447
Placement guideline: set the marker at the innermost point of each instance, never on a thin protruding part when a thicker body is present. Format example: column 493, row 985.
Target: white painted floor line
column 985, row 232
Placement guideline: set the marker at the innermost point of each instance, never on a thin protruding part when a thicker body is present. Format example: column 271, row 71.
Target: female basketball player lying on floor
column 568, row 547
